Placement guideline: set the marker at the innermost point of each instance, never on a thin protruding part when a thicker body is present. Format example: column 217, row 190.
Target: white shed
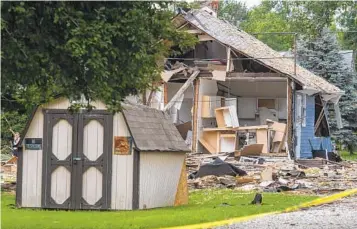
column 133, row 159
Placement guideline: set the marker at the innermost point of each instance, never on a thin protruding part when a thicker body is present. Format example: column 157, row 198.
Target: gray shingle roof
column 249, row 46
column 152, row 129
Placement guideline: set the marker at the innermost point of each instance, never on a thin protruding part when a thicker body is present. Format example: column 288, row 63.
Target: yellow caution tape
column 319, row 201
column 322, row 200
column 222, row 222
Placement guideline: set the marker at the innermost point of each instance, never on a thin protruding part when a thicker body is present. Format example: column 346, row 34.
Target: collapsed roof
column 248, row 45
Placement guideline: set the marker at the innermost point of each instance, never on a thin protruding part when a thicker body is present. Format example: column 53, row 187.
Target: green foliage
column 348, row 20
column 102, row 50
column 348, row 156
column 204, row 206
column 302, row 17
column 320, row 55
column 233, row 11
column 262, row 19
column 16, row 122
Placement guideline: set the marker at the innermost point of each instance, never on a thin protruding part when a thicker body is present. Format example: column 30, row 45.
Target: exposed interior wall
column 257, row 88
column 248, row 93
column 159, row 178
column 210, row 50
column 32, row 159
column 184, row 114
column 122, row 170
column 307, row 134
column 207, row 87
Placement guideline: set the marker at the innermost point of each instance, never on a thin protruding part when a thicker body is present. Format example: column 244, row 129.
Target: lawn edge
column 316, row 202
column 322, row 200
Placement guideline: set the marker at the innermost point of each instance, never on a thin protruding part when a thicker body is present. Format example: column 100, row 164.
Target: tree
column 102, row 50
column 321, row 55
column 262, row 19
column 233, row 11
column 348, row 21
column 302, row 17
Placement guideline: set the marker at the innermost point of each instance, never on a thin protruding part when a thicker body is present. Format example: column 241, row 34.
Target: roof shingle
column 152, row 130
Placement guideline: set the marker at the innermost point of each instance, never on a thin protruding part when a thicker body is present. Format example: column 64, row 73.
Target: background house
column 231, row 67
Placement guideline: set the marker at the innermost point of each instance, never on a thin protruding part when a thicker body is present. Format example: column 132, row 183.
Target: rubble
column 277, row 174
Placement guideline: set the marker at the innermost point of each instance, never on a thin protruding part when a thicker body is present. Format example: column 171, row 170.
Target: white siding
column 159, row 177
column 32, row 159
column 32, row 166
column 122, row 170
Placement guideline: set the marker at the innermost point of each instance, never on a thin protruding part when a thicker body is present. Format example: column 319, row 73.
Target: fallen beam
column 181, row 90
column 194, row 31
column 205, row 37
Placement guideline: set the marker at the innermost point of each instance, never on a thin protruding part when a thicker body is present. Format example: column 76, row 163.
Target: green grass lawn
column 204, row 206
column 346, row 156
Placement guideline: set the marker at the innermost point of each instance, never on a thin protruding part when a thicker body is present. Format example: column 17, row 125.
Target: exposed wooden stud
column 181, row 90
column 319, row 119
column 165, row 93
column 289, row 126
column 205, row 37
column 194, row 31
column 195, row 115
column 229, row 63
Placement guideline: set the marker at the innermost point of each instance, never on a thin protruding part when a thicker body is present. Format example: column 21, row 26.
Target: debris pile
column 270, row 174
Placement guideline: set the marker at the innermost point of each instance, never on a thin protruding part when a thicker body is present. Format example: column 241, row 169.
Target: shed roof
column 152, row 129
column 250, row 46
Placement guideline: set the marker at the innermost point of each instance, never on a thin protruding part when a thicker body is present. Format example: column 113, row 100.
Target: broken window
column 321, row 124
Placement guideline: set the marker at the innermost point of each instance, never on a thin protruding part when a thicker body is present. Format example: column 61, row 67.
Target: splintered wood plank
column 182, row 188
column 181, row 90
column 207, row 145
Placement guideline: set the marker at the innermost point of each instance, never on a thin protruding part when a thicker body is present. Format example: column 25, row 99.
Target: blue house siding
column 307, row 132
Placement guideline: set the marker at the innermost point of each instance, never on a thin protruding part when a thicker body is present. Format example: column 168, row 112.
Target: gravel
column 340, row 215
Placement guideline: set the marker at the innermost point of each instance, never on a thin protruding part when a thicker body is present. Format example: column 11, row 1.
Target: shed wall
column 308, row 132
column 122, row 170
column 32, row 159
column 159, row 178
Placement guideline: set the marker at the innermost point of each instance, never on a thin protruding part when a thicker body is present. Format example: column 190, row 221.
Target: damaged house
column 233, row 93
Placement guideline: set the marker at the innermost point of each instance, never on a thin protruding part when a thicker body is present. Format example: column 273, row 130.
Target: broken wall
column 207, row 87
column 248, row 93
column 183, row 114
column 307, row 133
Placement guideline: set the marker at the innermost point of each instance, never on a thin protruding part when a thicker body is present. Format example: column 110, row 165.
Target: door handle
column 75, row 159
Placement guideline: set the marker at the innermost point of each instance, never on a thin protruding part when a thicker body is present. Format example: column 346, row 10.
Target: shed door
column 94, row 170
column 77, row 156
